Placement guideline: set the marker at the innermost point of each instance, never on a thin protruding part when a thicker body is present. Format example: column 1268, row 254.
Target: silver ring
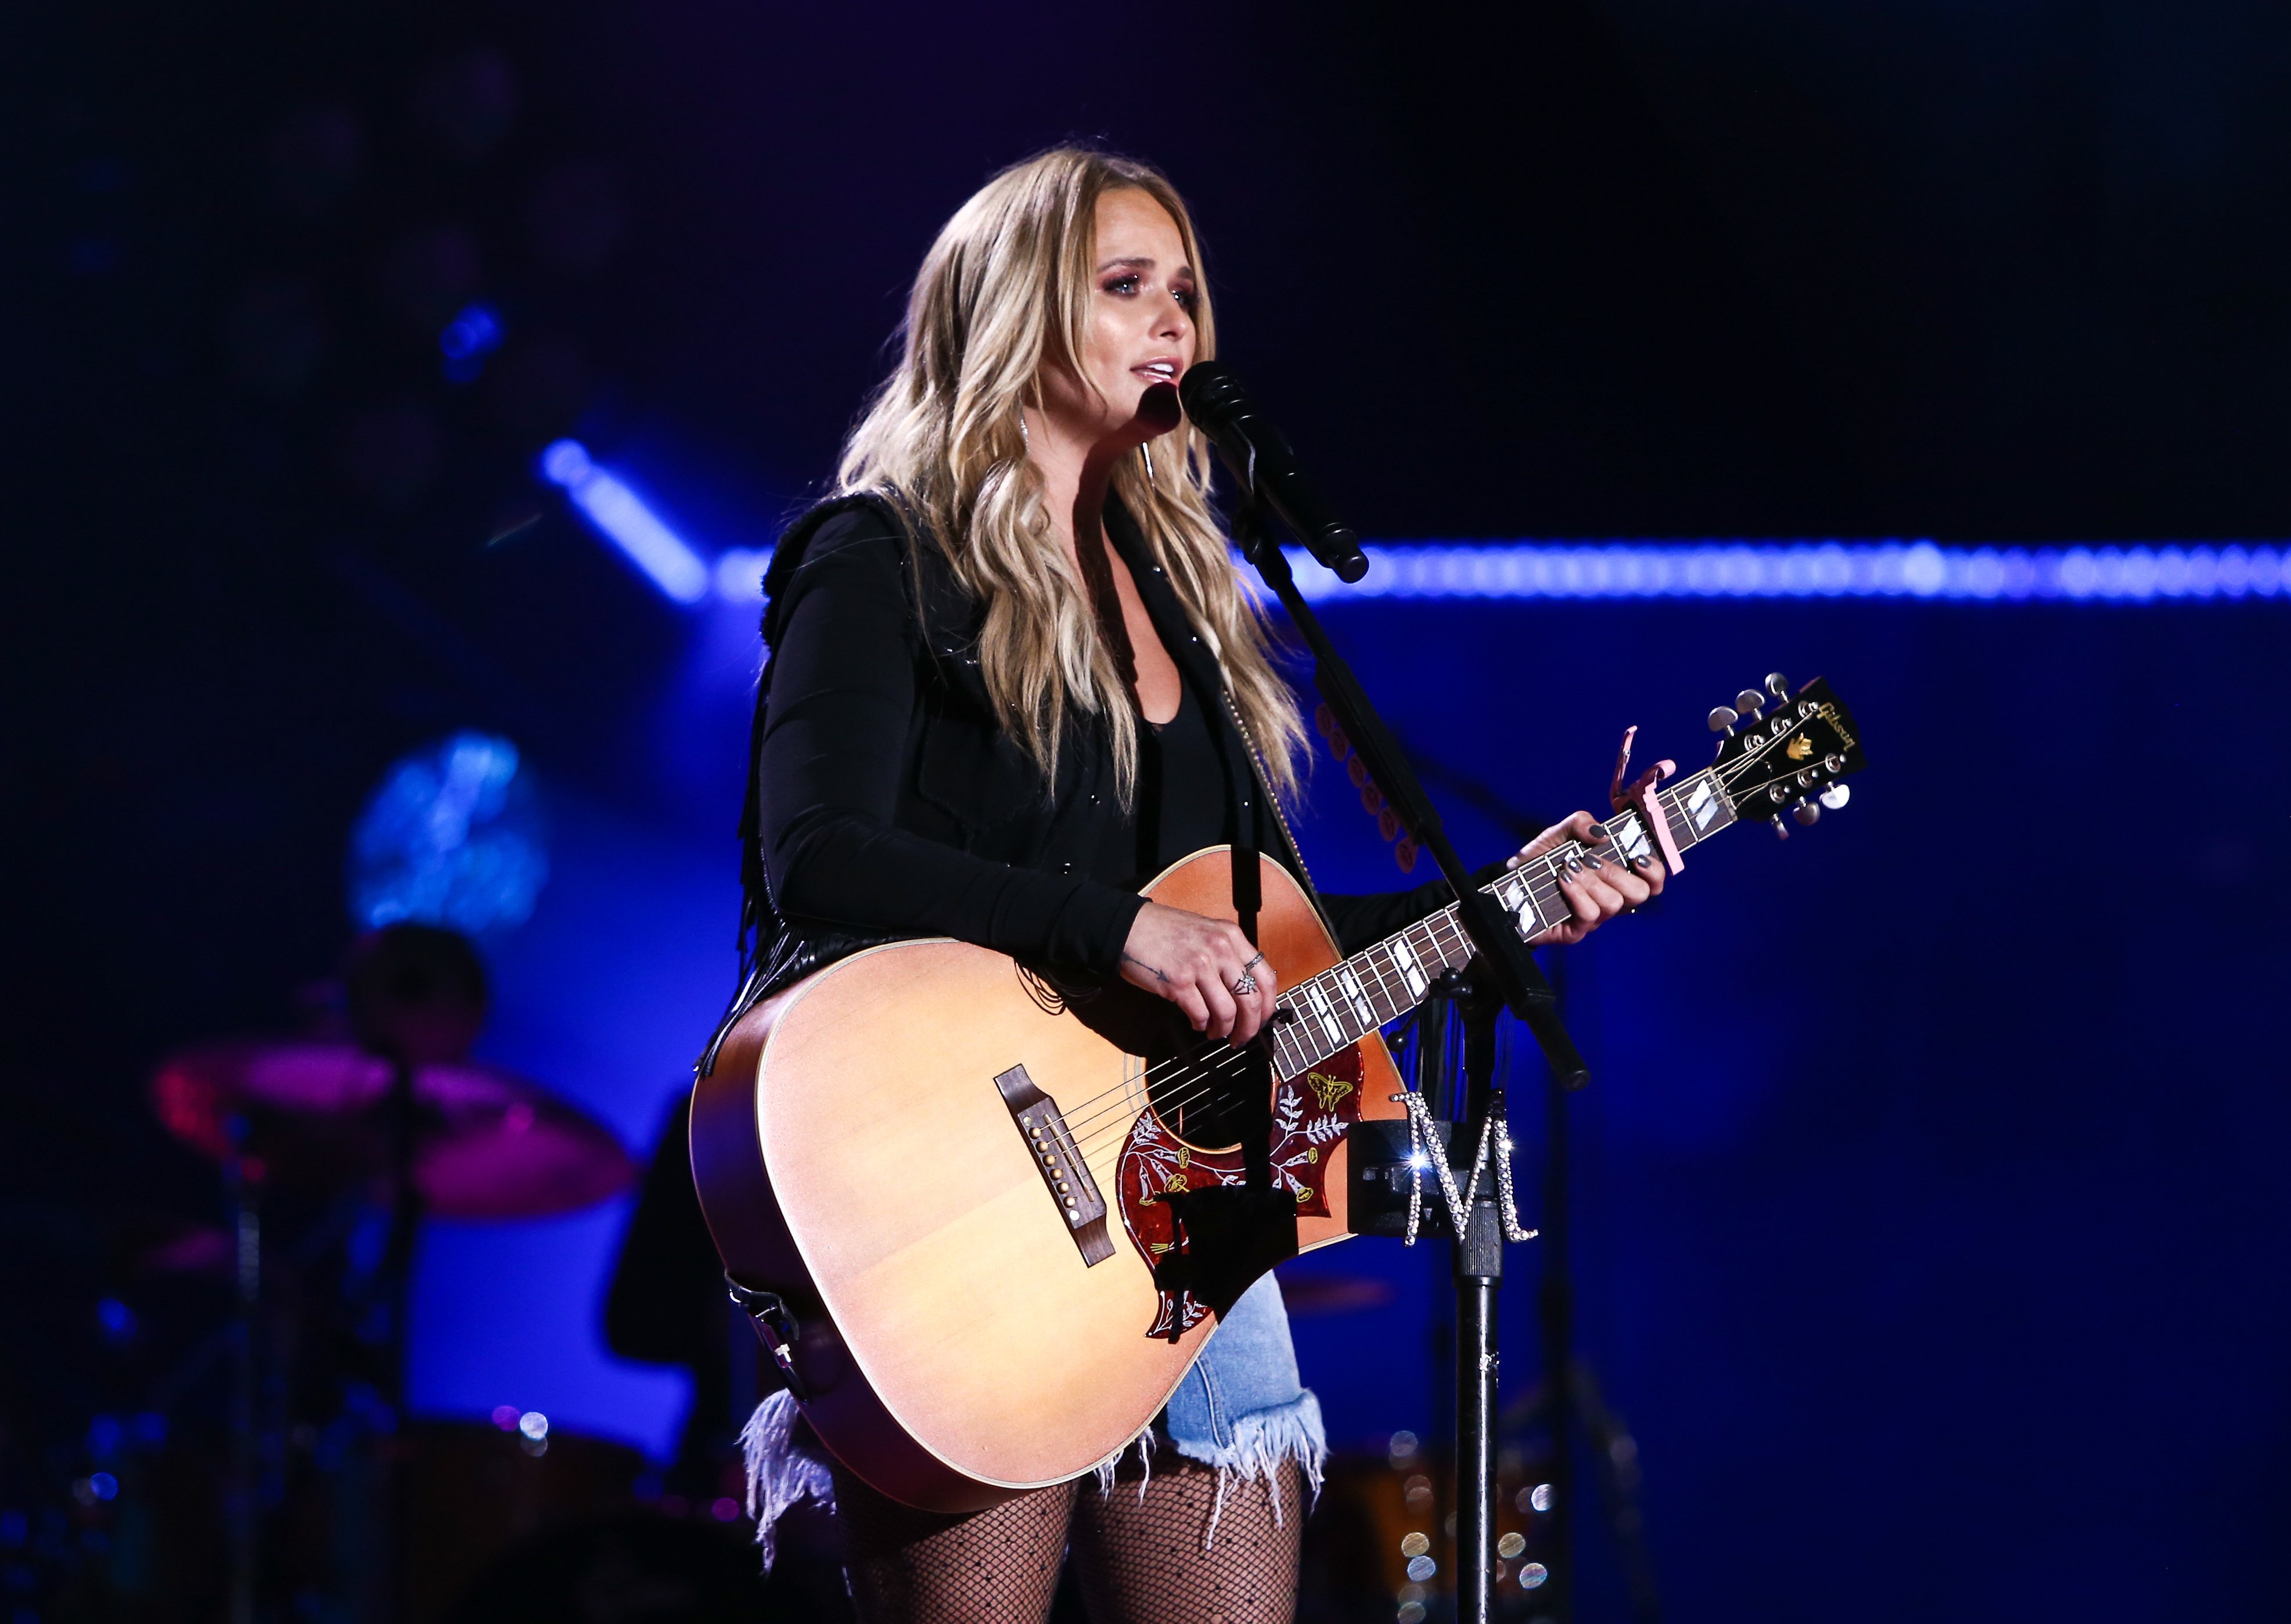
column 1247, row 985
column 1254, row 959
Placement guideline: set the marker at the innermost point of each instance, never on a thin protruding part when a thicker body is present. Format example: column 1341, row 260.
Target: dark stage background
column 1932, row 1240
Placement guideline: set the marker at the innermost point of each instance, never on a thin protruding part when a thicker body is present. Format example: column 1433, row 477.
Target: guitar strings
column 1543, row 887
column 1088, row 1121
column 1214, row 1067
column 1091, row 1111
column 1099, row 1134
column 1090, row 1124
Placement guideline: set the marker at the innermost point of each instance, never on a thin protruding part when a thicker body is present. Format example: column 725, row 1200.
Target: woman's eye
column 1185, row 296
column 1123, row 284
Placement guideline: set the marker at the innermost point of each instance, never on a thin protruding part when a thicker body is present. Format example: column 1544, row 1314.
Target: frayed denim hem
column 1143, row 1445
column 1262, row 1441
column 782, row 1473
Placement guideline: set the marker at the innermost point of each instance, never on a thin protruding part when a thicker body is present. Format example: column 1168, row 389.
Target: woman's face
column 1140, row 327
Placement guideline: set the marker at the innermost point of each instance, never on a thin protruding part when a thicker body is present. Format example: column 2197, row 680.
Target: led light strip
column 1499, row 570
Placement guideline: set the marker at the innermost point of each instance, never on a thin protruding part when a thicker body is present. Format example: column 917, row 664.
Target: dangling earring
column 1025, row 438
column 1148, row 449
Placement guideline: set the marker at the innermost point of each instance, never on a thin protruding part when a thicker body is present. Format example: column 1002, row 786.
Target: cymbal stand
column 1462, row 1120
column 1568, row 1398
column 243, row 1184
column 405, row 1233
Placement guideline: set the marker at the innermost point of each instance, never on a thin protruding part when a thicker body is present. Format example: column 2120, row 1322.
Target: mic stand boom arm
column 1510, row 969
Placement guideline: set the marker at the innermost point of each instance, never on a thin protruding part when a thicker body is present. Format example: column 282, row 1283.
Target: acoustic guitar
column 953, row 1176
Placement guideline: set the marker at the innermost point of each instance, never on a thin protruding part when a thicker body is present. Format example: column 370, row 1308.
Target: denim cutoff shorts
column 1240, row 1410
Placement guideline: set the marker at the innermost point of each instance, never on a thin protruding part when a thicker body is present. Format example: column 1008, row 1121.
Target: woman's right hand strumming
column 1197, row 963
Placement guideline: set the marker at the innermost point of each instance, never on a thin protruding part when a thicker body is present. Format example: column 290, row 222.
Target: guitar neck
column 1336, row 1008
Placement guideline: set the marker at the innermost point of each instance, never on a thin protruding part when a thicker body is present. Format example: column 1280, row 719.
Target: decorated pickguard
column 1309, row 1117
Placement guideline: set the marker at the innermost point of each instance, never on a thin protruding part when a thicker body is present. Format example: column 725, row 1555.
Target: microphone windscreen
column 1210, row 394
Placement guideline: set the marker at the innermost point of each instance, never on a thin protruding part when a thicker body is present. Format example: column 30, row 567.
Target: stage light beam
column 621, row 517
column 740, row 575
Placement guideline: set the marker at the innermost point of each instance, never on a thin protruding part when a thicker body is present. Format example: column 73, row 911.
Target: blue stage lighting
column 740, row 575
column 477, row 330
column 454, row 836
column 474, row 333
column 624, row 520
column 1498, row 570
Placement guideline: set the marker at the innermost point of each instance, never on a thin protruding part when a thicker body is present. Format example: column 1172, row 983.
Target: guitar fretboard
column 1339, row 1007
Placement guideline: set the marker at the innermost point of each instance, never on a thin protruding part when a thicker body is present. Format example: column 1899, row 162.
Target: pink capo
column 1641, row 796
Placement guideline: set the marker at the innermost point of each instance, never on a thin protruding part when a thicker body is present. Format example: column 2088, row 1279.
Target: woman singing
column 1013, row 678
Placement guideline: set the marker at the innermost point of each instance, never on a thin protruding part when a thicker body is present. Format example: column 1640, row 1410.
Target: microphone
column 1220, row 405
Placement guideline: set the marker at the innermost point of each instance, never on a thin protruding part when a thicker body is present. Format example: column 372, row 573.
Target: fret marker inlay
column 1410, row 972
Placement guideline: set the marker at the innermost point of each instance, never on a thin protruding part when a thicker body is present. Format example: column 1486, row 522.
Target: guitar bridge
column 1058, row 1160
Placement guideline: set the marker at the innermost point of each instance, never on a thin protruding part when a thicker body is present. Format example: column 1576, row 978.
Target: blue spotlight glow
column 624, row 520
column 1497, row 570
column 454, row 836
column 473, row 335
column 740, row 575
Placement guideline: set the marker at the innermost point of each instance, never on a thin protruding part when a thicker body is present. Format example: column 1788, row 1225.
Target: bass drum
column 649, row 1569
column 632, row 1570
column 472, row 1491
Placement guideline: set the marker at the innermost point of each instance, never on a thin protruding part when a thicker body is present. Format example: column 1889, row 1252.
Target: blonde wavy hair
column 1005, row 292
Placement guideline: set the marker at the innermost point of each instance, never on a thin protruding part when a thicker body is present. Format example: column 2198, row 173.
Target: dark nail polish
column 1594, row 862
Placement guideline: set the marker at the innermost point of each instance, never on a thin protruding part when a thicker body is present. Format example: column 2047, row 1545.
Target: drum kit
column 344, row 1139
column 332, row 1145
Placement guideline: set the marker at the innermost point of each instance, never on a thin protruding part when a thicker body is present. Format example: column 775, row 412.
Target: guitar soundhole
column 1194, row 1096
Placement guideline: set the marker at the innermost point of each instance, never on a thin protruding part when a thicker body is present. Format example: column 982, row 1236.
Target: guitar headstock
column 1784, row 752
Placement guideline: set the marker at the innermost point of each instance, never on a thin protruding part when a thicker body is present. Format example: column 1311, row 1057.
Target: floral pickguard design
column 1309, row 1114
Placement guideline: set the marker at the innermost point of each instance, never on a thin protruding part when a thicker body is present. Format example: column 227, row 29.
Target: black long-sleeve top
column 890, row 803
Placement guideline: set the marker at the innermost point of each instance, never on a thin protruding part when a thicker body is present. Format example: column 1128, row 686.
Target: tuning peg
column 1806, row 813
column 1723, row 719
column 1750, row 701
column 1837, row 795
column 1782, row 829
column 1777, row 685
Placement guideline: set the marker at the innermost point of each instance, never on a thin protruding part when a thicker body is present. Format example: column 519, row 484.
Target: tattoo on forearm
column 1131, row 958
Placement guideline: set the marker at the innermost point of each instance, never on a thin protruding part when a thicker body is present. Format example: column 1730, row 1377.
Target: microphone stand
column 1511, row 970
column 1507, row 977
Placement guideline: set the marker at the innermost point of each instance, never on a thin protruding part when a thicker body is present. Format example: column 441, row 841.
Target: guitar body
column 861, row 1149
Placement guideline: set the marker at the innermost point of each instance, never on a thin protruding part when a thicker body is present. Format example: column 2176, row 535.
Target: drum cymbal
column 487, row 1143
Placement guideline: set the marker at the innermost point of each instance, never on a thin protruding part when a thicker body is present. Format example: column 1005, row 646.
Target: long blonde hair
column 1004, row 291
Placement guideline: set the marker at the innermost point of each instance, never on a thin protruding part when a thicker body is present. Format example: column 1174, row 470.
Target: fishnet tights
column 1140, row 1560
column 1139, row 1557
column 996, row 1566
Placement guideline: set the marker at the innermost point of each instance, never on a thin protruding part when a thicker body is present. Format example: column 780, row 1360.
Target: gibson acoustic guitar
column 948, row 1185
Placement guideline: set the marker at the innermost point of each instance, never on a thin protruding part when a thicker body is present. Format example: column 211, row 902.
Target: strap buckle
column 781, row 1330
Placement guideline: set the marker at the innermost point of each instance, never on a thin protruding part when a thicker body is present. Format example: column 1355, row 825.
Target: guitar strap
column 1227, row 1236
